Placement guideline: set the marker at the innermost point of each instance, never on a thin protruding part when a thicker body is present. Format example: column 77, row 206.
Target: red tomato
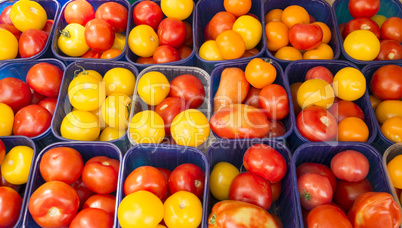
column 2, row 151
column 146, row 178
column 10, row 206
column 189, row 35
column 147, row 13
column 350, row 165
column 45, row 79
column 276, row 190
column 219, row 23
column 166, row 174
column 184, row 52
column 99, row 35
column 14, row 93
column 79, row 11
column 31, row 42
column 187, row 177
column 82, row 190
column 145, row 60
column 48, row 26
column 54, row 204
column 61, row 164
column 323, row 170
column 36, row 97
column 207, row 35
column 274, row 100
column 31, row 121
column 115, row 14
column 277, row 129
column 361, row 24
column 342, row 109
column 172, row 32
column 251, row 188
column 100, row 174
column 92, row 217
column 328, row 216
column 4, row 183
column 5, row 16
column 265, row 161
column 252, row 97
column 166, row 54
column 49, row 104
column 92, row 54
column 391, row 29
column 189, row 88
column 314, row 190
column 363, row 8
column 102, row 201
column 305, row 36
column 320, row 72
column 347, row 192
column 317, row 124
column 12, row 29
column 390, row 50
column 386, row 83
column 168, row 109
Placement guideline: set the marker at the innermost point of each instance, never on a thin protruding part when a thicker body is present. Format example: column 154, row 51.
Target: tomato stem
column 306, row 195
column 84, row 72
column 212, row 220
column 197, row 183
column 65, row 33
column 54, row 211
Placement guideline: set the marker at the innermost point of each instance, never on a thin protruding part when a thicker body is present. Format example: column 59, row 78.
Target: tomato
column 363, row 8
column 190, row 128
column 183, row 210
column 80, row 125
column 101, row 201
column 317, row 124
column 350, row 165
column 8, row 44
column 187, row 177
column 386, row 84
column 11, row 28
column 314, row 190
column 172, row 32
column 392, row 129
column 305, row 36
column 48, row 27
column 342, row 109
column 260, row 73
column 184, row 52
column 2, row 151
column 31, row 121
column 323, row 170
column 92, row 217
column 323, row 51
column 6, row 123
column 390, row 50
column 82, row 190
column 361, row 24
column 145, row 60
column 347, row 192
column 315, row 92
column 394, row 169
column 146, row 178
column 37, row 98
column 349, row 84
column 189, row 88
column 53, row 204
column 352, row 129
column 28, row 14
column 295, row 14
column 115, row 14
column 147, row 127
column 72, row 40
column 273, row 15
column 374, row 101
column 166, row 54
column 86, row 93
column 277, row 35
column 4, row 183
column 252, row 97
column 288, row 53
column 391, row 29
column 209, row 51
column 168, row 109
column 10, row 207
column 328, row 216
column 49, row 104
column 111, row 53
column 219, row 23
column 250, row 30
column 320, row 72
column 250, row 53
column 221, row 176
column 91, row 54
column 115, row 111
column 45, row 79
column 109, row 134
column 237, row 7
column 362, row 45
column 230, row 44
column 273, row 99
column 153, row 88
column 147, row 13
column 5, row 16
column 180, row 9
column 99, row 35
column 327, row 34
column 16, row 165
column 14, row 93
column 79, row 11
column 100, row 174
column 277, row 129
column 151, row 207
column 119, row 42
column 119, row 80
column 189, row 35
column 388, row 109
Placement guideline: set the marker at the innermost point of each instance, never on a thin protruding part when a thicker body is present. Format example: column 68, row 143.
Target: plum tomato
column 314, row 190
column 350, row 165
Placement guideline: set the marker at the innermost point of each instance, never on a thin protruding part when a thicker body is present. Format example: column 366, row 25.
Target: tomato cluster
column 172, row 196
column 93, row 34
column 24, row 30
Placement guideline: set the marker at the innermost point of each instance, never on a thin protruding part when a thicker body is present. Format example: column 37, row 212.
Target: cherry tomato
column 72, row 40
column 314, row 190
column 388, row 109
column 288, row 53
column 37, row 97
column 31, row 121
column 16, row 165
column 273, row 15
column 230, row 44
column 145, row 60
column 323, row 170
column 92, row 217
column 390, row 50
column 189, row 34
column 2, row 151
column 209, row 51
column 347, row 193
column 219, row 23
column 221, row 176
column 374, row 101
column 394, row 169
column 260, row 73
column 14, row 93
column 82, row 190
column 350, row 165
column 6, row 123
column 237, row 7
column 80, row 125
column 391, row 29
column 91, row 54
column 305, row 36
column 11, row 28
column 315, row 92
column 277, row 129
column 172, row 32
column 184, row 52
column 168, row 109
column 100, row 174
column 252, row 97
column 101, row 201
column 45, row 79
column 392, row 129
column 328, row 216
column 363, row 8
column 115, row 14
column 386, row 84
column 295, row 14
column 28, row 15
column 146, row 178
column 362, row 45
column 49, row 104
column 349, row 84
column 274, row 100
column 317, row 124
column 115, row 111
column 79, row 11
column 5, row 16
column 99, row 35
column 327, row 34
column 319, row 72
column 86, row 93
column 323, row 51
column 342, row 109
column 10, row 206
column 180, row 9
column 147, row 127
column 183, row 210
column 250, row 29
column 31, row 42
column 166, row 54
column 353, row 129
column 189, row 88
column 148, row 13
column 48, row 27
column 111, row 53
column 361, row 24
column 277, row 35
column 190, row 128
column 8, row 44
column 187, row 177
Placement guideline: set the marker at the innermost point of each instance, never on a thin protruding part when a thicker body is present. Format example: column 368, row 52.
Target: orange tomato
column 392, row 129
column 295, row 14
column 374, row 101
column 353, row 129
column 230, row 44
column 323, row 51
column 277, row 35
column 260, row 73
column 327, row 35
column 237, row 7
column 288, row 53
column 273, row 15
column 251, row 52
column 111, row 53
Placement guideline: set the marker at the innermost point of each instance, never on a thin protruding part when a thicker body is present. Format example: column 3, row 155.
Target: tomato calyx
column 54, row 212
column 65, row 33
column 324, row 120
column 197, row 183
column 105, row 163
column 76, row 72
column 212, row 220
column 306, row 195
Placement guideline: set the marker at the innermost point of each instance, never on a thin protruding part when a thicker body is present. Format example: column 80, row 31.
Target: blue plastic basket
column 87, row 150
column 132, row 58
column 388, row 8
column 52, row 8
column 296, row 72
column 281, row 80
column 164, row 156
column 232, row 151
column 319, row 9
column 323, row 153
column 204, row 11
column 10, row 142
column 61, row 24
column 19, row 70
column 64, row 107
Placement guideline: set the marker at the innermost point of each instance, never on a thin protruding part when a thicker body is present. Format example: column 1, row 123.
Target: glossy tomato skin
column 317, row 124
column 350, row 165
column 115, row 14
column 45, row 78
column 252, row 97
column 166, row 54
column 79, row 11
column 277, row 129
column 100, row 174
column 347, row 193
column 31, row 121
column 5, row 16
column 320, row 72
column 305, row 36
column 37, row 98
column 14, row 93
column 49, row 104
column 390, row 50
column 386, row 83
column 360, row 24
column 146, row 178
column 363, row 8
column 92, row 217
column 342, row 109
column 391, row 29
column 187, row 177
column 219, row 23
column 328, row 216
column 92, row 54
column 31, row 42
column 314, row 190
column 189, row 88
column 11, row 28
column 105, row 202
column 251, row 188
column 10, row 206
column 148, row 13
column 274, row 100
column 168, row 109
column 82, row 190
column 48, row 26
column 99, row 35
column 172, row 32
column 323, row 170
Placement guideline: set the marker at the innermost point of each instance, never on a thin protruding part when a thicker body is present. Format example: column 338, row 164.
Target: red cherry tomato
column 350, row 165
column 10, row 206
column 49, row 104
column 92, row 54
column 12, row 29
column 31, row 42
column 363, row 8
column 166, row 54
column 274, row 100
column 145, row 60
column 100, row 174
column 102, row 201
column 328, row 216
column 390, row 50
column 386, row 82
column 310, row 167
column 36, row 97
column 45, row 79
column 347, row 192
column 99, row 35
column 252, row 97
column 187, row 177
column 82, row 190
column 277, row 129
column 189, row 88
column 14, row 93
column 361, row 24
column 317, row 124
column 320, row 72
column 146, row 178
column 114, row 14
column 184, row 52
column 168, row 109
column 5, row 16
column 391, row 29
column 48, row 26
column 305, row 36
column 31, row 121
column 79, row 11
column 342, row 109
column 172, row 32
column 314, row 190
column 92, row 217
column 219, row 23
column 147, row 13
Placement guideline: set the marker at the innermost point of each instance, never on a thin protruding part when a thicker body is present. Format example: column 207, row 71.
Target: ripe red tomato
column 14, row 93
column 61, row 164
column 145, row 60
column 187, row 177
column 99, row 35
column 328, row 216
column 92, row 54
column 31, row 42
column 147, row 13
column 189, row 88
column 386, row 83
column 100, row 174
column 5, row 16
column 305, row 36
column 277, row 129
column 168, row 109
column 36, row 97
column 320, row 72
column 265, row 161
column 189, row 35
column 274, row 100
column 48, row 26
column 45, row 79
column 12, row 29
column 251, row 188
column 219, row 23
column 10, row 206
column 390, row 50
column 350, row 165
column 92, row 217
column 342, row 109
column 165, row 54
column 347, row 192
column 184, row 52
column 31, row 121
column 82, row 190
column 361, row 24
column 314, row 190
column 54, row 204
column 363, row 8
column 323, row 170
column 146, row 178
column 102, row 201
column 115, row 14
column 172, row 32
column 317, row 124
column 79, row 11
column 49, row 104
column 391, row 29
column 276, row 190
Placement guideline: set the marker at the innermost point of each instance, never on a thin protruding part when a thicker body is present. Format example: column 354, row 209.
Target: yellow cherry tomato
column 115, row 111
column 379, row 19
column 17, row 164
column 392, row 129
column 86, row 93
column 277, row 35
column 72, row 40
column 323, row 51
column 147, row 127
column 295, row 14
column 327, row 34
column 109, row 134
column 183, row 210
column 140, row 209
column 395, row 171
column 221, row 177
column 119, row 80
column 190, row 128
column 143, row 40
column 92, row 73
column 180, row 9
column 349, row 84
column 388, row 109
column 260, row 73
column 6, row 120
column 362, row 45
column 119, row 41
column 273, row 15
column 288, row 53
column 250, row 29
column 27, row 14
column 209, row 51
column 80, row 125
column 315, row 92
column 153, row 88
column 8, row 45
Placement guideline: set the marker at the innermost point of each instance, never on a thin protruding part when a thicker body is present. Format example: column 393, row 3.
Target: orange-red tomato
column 230, row 44
column 295, row 14
column 277, row 35
column 353, row 129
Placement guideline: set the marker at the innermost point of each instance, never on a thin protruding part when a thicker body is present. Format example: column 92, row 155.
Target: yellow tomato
column 8, row 45
column 92, row 73
column 153, row 88
column 260, row 73
column 315, row 92
column 323, row 51
column 26, row 14
column 288, row 53
column 143, row 40
column 388, row 109
column 140, row 209
column 349, row 84
column 98, row 114
column 183, row 210
column 86, row 93
column 119, row 41
column 160, row 226
column 115, row 111
column 250, row 29
column 395, row 171
column 119, row 80
column 327, row 34
column 147, row 127
column 209, row 51
column 109, row 134
column 80, row 125
column 180, row 9
column 72, row 40
column 379, row 19
column 362, row 45
column 221, row 177
column 190, row 128
column 6, row 120
column 392, row 129
column 273, row 15
column 17, row 164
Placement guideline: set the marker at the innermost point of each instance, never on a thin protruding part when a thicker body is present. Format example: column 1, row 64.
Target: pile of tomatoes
column 24, row 30
column 293, row 25
column 33, row 102
column 160, row 194
column 93, row 34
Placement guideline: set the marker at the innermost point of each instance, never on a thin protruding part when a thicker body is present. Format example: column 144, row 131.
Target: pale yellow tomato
column 147, row 127
column 115, row 111
column 92, row 73
column 86, row 93
column 153, row 88
column 17, row 164
column 119, row 80
column 190, row 128
column 109, row 134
